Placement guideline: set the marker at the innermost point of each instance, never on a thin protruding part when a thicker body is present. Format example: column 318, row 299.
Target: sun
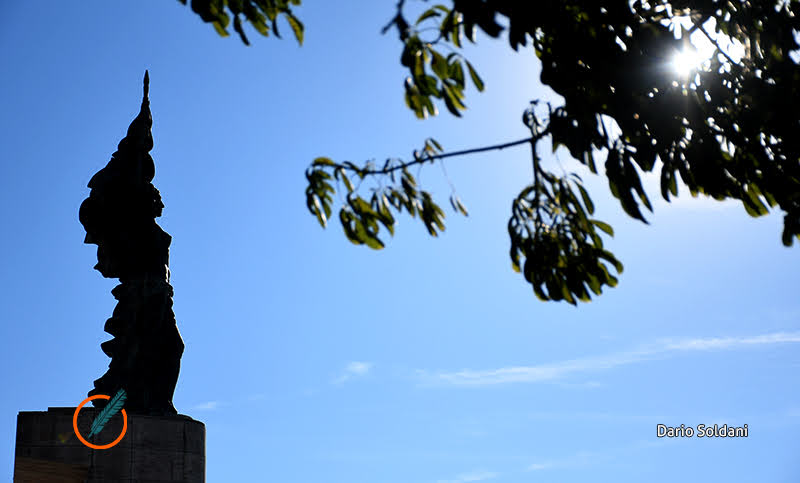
column 701, row 47
column 688, row 61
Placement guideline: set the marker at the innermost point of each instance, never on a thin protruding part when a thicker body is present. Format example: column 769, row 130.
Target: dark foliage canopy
column 729, row 128
column 261, row 14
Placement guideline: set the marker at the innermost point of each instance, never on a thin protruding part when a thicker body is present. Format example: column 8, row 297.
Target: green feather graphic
column 111, row 409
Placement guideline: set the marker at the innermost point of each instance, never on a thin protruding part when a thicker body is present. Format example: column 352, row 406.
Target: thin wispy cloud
column 558, row 370
column 214, row 405
column 578, row 460
column 537, row 373
column 207, row 406
column 352, row 370
column 594, row 416
column 584, row 459
column 472, row 476
column 733, row 342
column 581, row 385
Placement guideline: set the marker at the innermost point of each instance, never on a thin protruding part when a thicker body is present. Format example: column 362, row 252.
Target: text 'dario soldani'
column 701, row 431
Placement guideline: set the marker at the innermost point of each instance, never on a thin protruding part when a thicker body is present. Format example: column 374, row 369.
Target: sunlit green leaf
column 476, row 79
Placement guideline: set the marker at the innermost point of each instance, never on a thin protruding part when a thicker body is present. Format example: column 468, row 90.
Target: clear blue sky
column 310, row 359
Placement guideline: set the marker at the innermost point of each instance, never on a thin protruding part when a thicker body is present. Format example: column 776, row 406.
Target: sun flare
column 684, row 63
column 693, row 58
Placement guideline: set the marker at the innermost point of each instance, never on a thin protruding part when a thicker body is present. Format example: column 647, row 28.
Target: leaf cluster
column 261, row 14
column 362, row 218
column 555, row 243
column 432, row 73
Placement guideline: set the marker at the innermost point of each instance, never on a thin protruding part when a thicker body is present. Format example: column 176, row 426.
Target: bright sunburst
column 684, row 63
column 690, row 60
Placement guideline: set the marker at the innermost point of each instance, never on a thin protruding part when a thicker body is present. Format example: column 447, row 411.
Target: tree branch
column 387, row 170
column 397, row 18
column 716, row 44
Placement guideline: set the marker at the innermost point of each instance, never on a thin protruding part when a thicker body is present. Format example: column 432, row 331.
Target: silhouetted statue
column 119, row 217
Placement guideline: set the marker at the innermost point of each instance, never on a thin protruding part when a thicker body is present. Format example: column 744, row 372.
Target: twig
column 714, row 41
column 388, row 170
column 398, row 16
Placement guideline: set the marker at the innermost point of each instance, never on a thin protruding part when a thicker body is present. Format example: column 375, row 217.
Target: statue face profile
column 108, row 260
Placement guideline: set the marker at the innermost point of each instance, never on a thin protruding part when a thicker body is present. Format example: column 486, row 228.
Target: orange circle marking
column 98, row 446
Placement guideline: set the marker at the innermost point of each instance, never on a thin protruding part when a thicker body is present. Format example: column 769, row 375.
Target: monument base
column 154, row 449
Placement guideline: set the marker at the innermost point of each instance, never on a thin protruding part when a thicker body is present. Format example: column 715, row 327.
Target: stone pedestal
column 154, row 449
